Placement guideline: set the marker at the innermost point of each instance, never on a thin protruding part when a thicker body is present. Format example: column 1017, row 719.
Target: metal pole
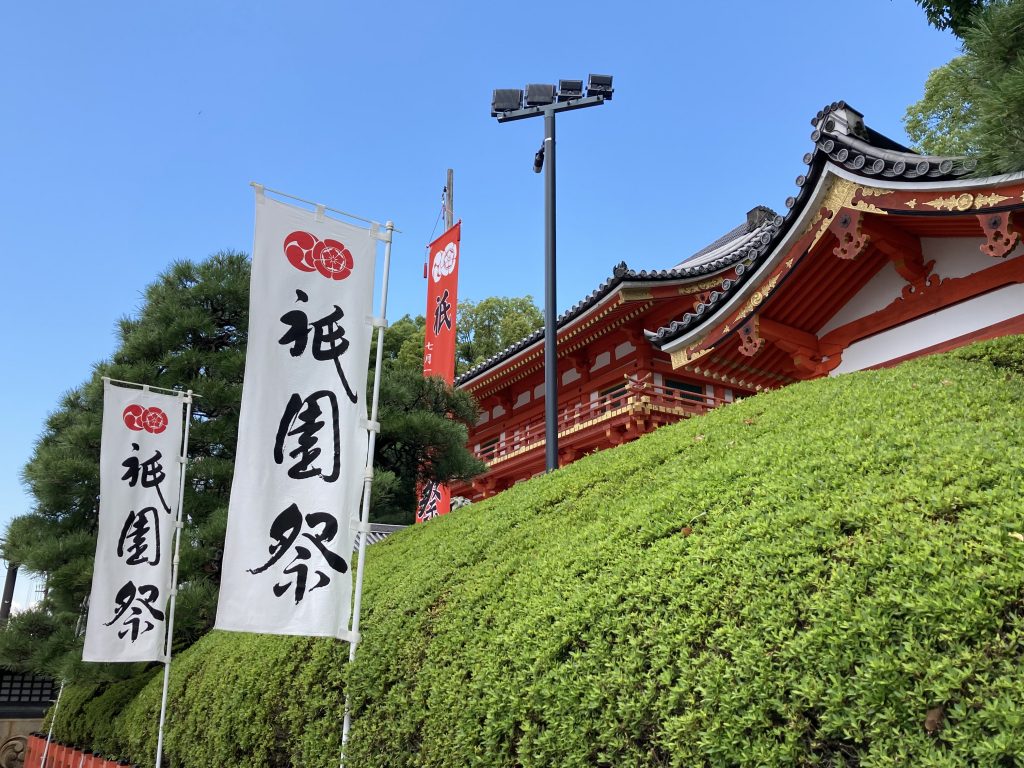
column 53, row 720
column 364, row 508
column 182, row 460
column 449, row 201
column 56, row 704
column 550, row 346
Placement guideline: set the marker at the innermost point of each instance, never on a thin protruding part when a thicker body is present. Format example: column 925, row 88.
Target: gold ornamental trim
column 966, row 201
column 758, row 296
column 686, row 356
column 842, row 193
column 706, row 285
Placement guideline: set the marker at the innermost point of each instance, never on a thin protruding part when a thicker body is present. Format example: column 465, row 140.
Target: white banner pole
column 364, row 509
column 56, row 704
column 49, row 735
column 178, row 525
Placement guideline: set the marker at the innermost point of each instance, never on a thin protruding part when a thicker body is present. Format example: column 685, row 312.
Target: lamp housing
column 600, row 85
column 539, row 94
column 570, row 89
column 506, row 100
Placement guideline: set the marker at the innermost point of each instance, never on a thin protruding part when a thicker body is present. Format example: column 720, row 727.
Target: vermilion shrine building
column 884, row 255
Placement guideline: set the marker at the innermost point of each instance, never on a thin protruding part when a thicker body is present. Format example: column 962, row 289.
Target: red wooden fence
column 64, row 756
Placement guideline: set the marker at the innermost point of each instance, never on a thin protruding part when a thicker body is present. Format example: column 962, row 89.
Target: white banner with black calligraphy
column 140, row 476
column 302, row 438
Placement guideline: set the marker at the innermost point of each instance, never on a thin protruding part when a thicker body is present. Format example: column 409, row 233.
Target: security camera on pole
column 509, row 104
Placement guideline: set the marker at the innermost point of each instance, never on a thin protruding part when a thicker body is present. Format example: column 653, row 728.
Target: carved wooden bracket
column 903, row 250
column 847, row 225
column 485, row 484
column 1002, row 233
column 803, row 347
column 750, row 338
column 581, row 361
column 858, row 230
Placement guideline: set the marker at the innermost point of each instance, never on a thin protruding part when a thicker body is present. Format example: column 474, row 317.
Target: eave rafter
column 804, row 349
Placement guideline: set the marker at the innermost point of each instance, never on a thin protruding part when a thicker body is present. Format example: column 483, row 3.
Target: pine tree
column 191, row 333
column 974, row 105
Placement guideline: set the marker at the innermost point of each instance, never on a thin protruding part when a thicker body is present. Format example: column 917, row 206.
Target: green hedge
column 826, row 575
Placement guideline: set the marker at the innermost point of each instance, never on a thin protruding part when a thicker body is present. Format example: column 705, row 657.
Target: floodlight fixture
column 543, row 100
column 539, row 94
column 506, row 100
column 600, row 85
column 570, row 89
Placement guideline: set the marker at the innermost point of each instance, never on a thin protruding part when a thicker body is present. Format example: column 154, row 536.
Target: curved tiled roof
column 840, row 138
column 748, row 240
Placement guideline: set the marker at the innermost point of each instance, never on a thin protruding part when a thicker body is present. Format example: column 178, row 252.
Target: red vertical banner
column 439, row 343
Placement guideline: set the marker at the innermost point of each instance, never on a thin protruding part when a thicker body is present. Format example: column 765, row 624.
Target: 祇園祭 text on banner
column 140, row 476
column 302, row 435
column 439, row 344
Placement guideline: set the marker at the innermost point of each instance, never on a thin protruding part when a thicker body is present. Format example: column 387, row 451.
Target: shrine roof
column 729, row 251
column 842, row 141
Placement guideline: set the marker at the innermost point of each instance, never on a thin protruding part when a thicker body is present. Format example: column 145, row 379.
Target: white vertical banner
column 140, row 475
column 302, row 435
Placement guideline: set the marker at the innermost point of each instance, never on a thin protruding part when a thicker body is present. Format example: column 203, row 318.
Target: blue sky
column 132, row 130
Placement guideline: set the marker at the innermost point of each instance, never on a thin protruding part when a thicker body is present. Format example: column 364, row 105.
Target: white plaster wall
column 498, row 411
column 601, row 360
column 624, row 349
column 877, row 294
column 523, row 399
column 538, row 391
column 948, row 323
column 570, row 376
column 954, row 257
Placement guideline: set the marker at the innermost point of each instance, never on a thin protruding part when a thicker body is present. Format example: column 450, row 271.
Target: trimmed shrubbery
column 831, row 574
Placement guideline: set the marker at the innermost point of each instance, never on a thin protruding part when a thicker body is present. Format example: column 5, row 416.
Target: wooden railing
column 635, row 398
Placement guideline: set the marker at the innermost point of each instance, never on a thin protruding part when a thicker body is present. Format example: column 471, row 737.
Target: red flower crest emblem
column 308, row 253
column 137, row 418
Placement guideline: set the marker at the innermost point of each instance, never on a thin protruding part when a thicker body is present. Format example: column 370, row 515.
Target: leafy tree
column 975, row 103
column 423, row 437
column 954, row 15
column 403, row 343
column 486, row 327
column 191, row 333
column 943, row 121
column 994, row 46
column 423, row 426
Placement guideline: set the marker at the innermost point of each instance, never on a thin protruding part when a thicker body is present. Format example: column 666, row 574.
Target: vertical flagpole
column 364, row 509
column 56, row 704
column 178, row 525
column 449, row 201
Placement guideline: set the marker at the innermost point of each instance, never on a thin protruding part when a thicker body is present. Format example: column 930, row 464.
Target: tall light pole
column 509, row 104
